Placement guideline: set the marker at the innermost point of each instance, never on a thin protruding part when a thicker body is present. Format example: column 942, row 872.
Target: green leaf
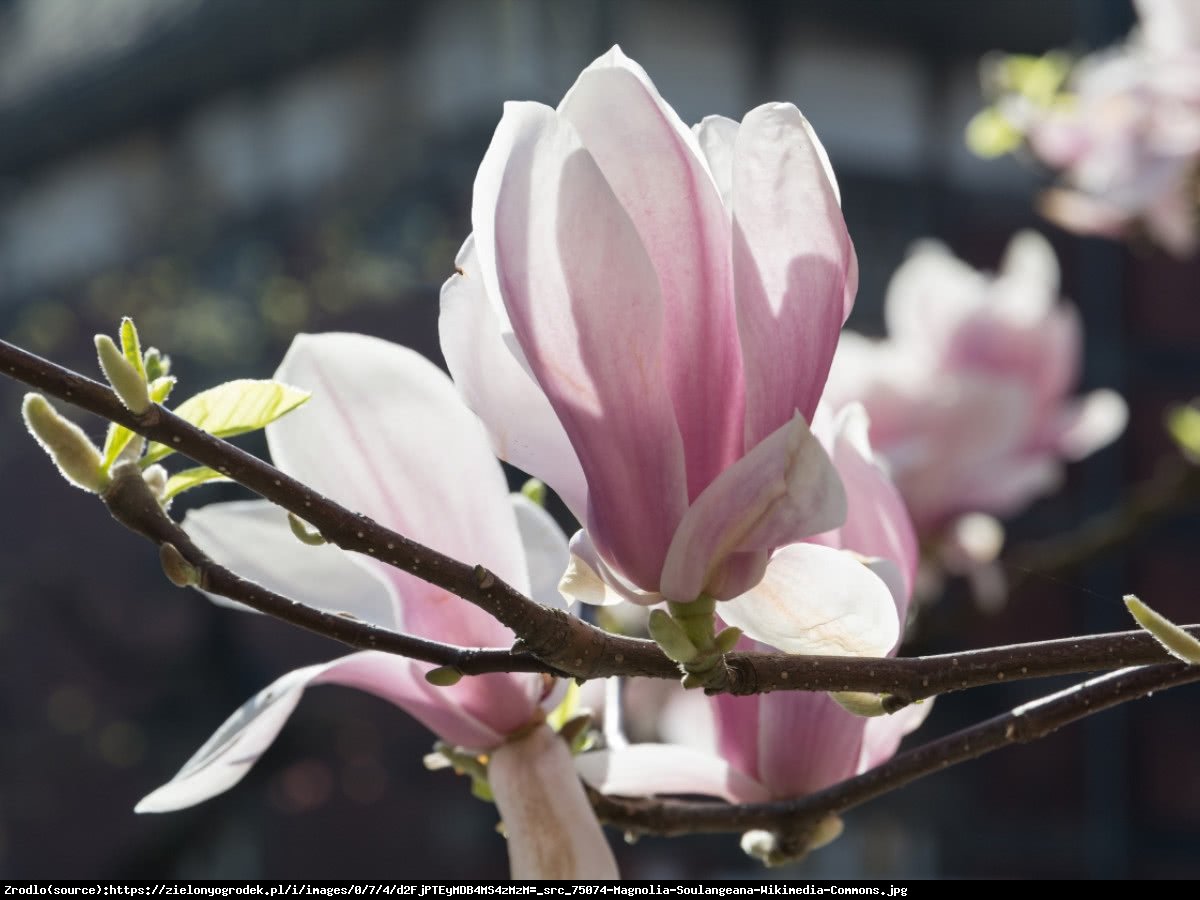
column 190, row 478
column 117, row 438
column 161, row 387
column 131, row 346
column 1183, row 422
column 234, row 408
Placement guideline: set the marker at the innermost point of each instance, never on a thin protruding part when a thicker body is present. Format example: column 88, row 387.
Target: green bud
column 305, row 532
column 127, row 381
column 161, row 387
column 1174, row 639
column 669, row 635
column 180, row 572
column 726, row 640
column 76, row 457
column 156, row 364
column 862, row 703
column 535, row 491
column 131, row 346
column 444, row 676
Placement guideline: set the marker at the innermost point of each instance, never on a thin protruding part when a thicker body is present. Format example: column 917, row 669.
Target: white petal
column 588, row 579
column 1092, row 422
column 546, row 551
column 551, row 828
column 386, row 434
column 252, row 538
column 883, row 733
column 647, row 770
column 717, row 135
column 817, row 600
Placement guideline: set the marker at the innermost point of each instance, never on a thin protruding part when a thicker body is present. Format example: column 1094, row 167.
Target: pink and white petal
column 236, row 746
column 252, row 537
column 648, row 770
column 1008, row 485
column 588, row 579
column 1090, row 423
column 882, row 734
column 717, row 136
column 877, row 520
column 670, row 197
column 387, row 435
column 793, row 264
column 551, row 828
column 806, row 742
column 817, row 600
column 930, row 295
column 546, row 553
column 783, row 490
column 1031, row 267
column 496, row 385
column 736, row 723
column 585, row 305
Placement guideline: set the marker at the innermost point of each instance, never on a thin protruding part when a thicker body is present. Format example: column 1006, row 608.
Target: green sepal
column 669, row 634
column 1174, row 639
column 187, row 479
column 727, row 639
column 234, row 408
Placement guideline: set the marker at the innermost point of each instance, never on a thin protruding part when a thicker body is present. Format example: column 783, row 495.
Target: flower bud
column 76, row 457
column 129, row 384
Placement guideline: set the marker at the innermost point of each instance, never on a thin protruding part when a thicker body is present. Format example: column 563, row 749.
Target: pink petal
column 589, row 579
column 806, row 742
column 386, row 434
column 584, row 302
column 657, row 172
column 794, row 268
column 647, row 770
column 877, row 521
column 237, row 745
column 551, row 829
column 783, row 490
column 524, row 429
column 883, row 734
column 817, row 600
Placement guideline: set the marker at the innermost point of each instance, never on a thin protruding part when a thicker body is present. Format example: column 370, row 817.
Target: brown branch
column 801, row 816
column 133, row 504
column 563, row 642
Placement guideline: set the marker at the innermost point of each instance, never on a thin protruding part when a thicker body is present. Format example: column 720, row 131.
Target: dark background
column 230, row 172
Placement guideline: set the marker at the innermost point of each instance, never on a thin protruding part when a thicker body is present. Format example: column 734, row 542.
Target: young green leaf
column 131, row 346
column 188, row 479
column 115, row 440
column 234, row 408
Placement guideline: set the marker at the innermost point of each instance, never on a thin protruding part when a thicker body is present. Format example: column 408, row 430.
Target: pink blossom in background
column 785, row 743
column 1127, row 142
column 386, row 434
column 644, row 319
column 970, row 395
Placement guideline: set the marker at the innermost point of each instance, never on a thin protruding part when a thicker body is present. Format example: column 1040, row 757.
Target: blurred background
column 231, row 172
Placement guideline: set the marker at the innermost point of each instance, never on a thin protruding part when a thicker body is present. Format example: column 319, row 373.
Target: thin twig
column 565, row 643
column 131, row 502
column 1025, row 723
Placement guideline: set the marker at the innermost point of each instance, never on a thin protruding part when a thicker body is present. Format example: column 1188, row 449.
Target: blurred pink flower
column 785, row 743
column 386, row 434
column 1128, row 141
column 969, row 396
column 644, row 318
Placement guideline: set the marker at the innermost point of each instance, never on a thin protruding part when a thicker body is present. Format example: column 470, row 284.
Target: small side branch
column 1025, row 723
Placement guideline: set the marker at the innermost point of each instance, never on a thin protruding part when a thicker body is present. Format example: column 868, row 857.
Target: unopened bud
column 726, row 640
column 305, row 532
column 180, row 572
column 444, row 676
column 1174, row 639
column 156, row 479
column 534, row 491
column 862, row 703
column 124, row 378
column 76, row 457
column 157, row 364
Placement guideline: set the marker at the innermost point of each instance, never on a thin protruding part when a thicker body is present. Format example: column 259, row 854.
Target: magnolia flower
column 386, row 435
column 786, row 743
column 644, row 318
column 968, row 397
column 1126, row 135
